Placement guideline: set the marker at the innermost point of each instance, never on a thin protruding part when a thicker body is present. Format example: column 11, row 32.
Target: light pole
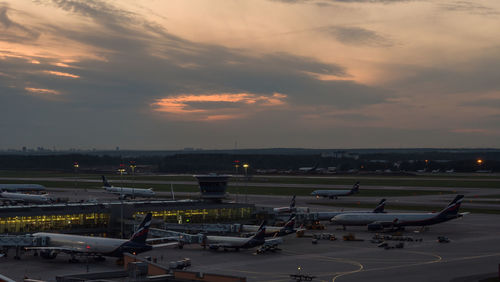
column 245, row 166
column 121, row 170
column 132, row 168
column 75, row 168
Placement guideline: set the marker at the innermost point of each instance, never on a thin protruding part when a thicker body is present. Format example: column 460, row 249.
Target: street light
column 121, row 170
column 245, row 166
column 236, row 165
column 75, row 168
column 132, row 168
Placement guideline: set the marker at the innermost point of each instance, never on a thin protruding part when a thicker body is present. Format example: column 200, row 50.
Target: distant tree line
column 226, row 162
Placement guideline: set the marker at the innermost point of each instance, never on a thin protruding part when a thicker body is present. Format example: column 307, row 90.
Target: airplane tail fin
column 142, row 231
column 261, row 233
column 452, row 208
column 290, row 224
column 105, row 181
column 380, row 207
column 355, row 187
column 292, row 203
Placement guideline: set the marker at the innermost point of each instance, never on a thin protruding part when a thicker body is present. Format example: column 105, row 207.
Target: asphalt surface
column 474, row 249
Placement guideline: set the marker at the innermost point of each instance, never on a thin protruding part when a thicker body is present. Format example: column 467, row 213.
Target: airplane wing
column 170, row 238
column 62, row 249
column 165, row 245
column 273, row 241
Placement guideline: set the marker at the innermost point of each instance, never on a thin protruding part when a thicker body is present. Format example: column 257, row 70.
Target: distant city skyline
column 168, row 75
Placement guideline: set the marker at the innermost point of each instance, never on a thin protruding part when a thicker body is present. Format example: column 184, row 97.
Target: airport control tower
column 212, row 186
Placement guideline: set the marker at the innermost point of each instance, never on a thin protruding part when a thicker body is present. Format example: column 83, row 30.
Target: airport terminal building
column 106, row 218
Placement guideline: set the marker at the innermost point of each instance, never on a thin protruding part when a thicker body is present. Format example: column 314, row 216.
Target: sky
column 222, row 74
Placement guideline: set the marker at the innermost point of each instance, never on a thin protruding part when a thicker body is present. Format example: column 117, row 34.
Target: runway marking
column 438, row 259
column 361, row 267
column 341, row 260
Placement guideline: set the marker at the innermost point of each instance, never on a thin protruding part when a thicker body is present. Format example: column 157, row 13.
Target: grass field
column 465, row 181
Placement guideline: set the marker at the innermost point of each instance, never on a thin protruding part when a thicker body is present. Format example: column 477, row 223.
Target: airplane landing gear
column 73, row 259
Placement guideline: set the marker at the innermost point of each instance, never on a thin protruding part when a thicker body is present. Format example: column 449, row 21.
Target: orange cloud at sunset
column 227, row 105
column 65, row 74
column 42, row 91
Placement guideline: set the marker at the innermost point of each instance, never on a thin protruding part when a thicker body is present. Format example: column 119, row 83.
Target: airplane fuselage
column 401, row 219
column 27, row 198
column 92, row 245
column 22, row 187
column 131, row 192
column 232, row 242
column 331, row 193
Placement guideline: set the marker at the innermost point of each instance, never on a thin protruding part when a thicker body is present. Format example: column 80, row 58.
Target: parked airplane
column 308, row 169
column 24, row 198
column 237, row 243
column 22, row 187
column 329, row 215
column 333, row 194
column 125, row 192
column 291, row 208
column 96, row 246
column 377, row 221
column 274, row 231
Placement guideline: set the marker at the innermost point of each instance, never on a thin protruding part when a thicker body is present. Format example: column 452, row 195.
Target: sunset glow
column 191, row 106
column 42, row 91
column 58, row 73
column 377, row 73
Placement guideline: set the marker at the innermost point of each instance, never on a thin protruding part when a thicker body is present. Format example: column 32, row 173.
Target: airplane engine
column 375, row 226
column 48, row 254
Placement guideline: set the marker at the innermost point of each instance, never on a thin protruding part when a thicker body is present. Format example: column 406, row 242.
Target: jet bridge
column 204, row 228
column 23, row 241
column 183, row 238
column 20, row 241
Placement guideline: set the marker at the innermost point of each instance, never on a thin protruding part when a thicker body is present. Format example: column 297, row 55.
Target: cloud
column 131, row 71
column 42, row 91
column 13, row 31
column 343, row 1
column 127, row 79
column 222, row 106
column 484, row 102
column 468, row 7
column 476, row 131
column 357, row 36
column 474, row 75
column 63, row 74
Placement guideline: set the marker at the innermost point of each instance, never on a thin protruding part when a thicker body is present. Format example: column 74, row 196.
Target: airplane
column 274, row 231
column 24, row 198
column 378, row 221
column 308, row 169
column 333, row 194
column 96, row 246
column 237, row 243
column 22, row 187
column 329, row 215
column 291, row 208
column 125, row 192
